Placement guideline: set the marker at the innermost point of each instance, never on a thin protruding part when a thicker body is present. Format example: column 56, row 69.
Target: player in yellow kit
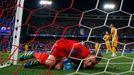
column 26, row 48
column 106, row 38
column 114, row 39
column 96, row 47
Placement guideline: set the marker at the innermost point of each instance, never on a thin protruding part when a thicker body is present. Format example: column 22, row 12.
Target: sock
column 26, row 56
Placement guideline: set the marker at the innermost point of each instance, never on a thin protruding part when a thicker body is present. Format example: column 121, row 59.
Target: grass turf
column 116, row 65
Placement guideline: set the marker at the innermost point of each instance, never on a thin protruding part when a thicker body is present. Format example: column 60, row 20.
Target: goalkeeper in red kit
column 62, row 49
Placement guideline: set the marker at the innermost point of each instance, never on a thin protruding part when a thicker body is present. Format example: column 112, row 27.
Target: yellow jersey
column 106, row 37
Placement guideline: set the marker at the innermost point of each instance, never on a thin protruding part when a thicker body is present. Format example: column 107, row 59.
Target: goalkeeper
column 60, row 51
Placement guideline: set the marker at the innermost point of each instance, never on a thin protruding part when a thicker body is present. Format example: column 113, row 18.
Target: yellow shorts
column 114, row 44
column 108, row 46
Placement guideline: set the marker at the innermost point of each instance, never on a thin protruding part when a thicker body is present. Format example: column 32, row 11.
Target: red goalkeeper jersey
column 63, row 47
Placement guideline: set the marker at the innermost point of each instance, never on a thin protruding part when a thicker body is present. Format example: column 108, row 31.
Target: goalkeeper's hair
column 98, row 55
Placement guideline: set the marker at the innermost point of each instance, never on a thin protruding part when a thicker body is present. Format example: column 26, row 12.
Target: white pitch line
column 117, row 63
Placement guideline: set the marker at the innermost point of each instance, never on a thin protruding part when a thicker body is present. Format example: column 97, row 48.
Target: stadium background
column 74, row 19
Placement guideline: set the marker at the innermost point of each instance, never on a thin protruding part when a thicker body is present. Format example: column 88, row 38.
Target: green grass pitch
column 121, row 65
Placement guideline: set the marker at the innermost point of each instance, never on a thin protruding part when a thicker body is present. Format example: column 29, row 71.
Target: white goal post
column 17, row 31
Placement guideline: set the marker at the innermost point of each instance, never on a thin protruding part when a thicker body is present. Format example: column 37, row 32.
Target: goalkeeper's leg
column 26, row 56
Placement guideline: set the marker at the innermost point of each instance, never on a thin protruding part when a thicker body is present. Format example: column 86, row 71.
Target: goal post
column 17, row 31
